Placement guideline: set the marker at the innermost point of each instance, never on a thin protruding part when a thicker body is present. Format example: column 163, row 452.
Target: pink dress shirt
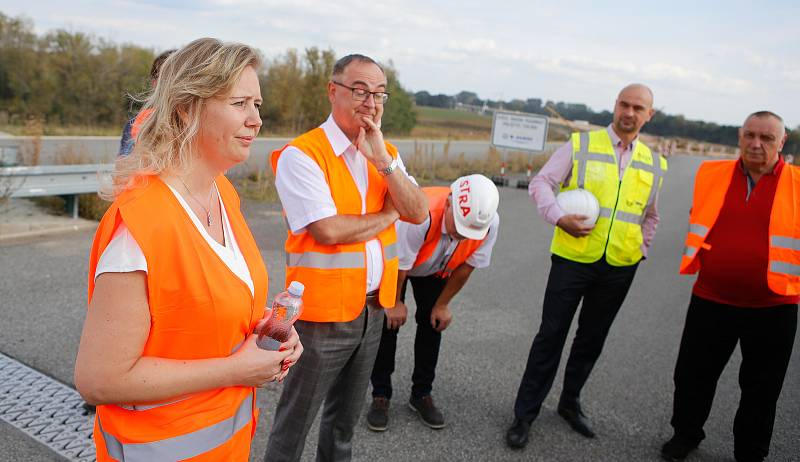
column 558, row 170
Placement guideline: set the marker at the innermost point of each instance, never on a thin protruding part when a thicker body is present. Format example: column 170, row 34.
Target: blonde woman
column 176, row 281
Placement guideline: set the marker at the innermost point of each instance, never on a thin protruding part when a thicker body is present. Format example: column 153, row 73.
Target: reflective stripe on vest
column 629, row 217
column 785, row 243
column 700, row 230
column 657, row 172
column 184, row 446
column 390, row 251
column 346, row 260
column 783, row 267
column 318, row 260
column 583, row 156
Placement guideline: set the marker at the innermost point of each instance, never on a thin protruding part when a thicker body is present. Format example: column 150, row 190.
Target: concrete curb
column 23, row 236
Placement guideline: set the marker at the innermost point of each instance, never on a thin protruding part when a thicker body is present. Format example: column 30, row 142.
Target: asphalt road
column 628, row 397
column 103, row 149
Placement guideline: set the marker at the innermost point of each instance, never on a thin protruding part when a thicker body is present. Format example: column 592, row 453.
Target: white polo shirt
column 306, row 196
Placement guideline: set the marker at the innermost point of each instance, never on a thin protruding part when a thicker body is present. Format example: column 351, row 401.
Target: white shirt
column 410, row 238
column 123, row 254
column 306, row 195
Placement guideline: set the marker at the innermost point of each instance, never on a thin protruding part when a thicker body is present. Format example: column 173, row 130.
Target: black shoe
column 428, row 412
column 378, row 414
column 677, row 448
column 517, row 434
column 577, row 420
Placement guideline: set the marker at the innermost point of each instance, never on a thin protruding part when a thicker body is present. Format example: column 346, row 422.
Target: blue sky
column 715, row 61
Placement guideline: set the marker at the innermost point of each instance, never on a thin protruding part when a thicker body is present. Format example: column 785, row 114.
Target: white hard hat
column 579, row 202
column 474, row 203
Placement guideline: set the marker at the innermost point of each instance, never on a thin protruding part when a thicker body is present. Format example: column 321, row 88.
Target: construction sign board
column 520, row 132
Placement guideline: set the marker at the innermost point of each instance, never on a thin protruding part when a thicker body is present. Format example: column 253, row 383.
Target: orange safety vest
column 335, row 276
column 139, row 121
column 783, row 272
column 198, row 309
column 437, row 201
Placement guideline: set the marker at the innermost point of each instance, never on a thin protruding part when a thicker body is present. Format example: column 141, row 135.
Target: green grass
column 442, row 115
column 435, row 122
column 69, row 130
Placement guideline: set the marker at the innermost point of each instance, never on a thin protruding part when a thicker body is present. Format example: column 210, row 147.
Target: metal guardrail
column 53, row 180
column 8, row 155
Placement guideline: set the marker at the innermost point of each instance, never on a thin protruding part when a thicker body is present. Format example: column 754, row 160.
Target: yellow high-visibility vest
column 618, row 231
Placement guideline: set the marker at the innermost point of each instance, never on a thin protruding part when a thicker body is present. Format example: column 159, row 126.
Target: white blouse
column 123, row 254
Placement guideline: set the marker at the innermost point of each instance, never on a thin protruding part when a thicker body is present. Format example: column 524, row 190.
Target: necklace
column 210, row 195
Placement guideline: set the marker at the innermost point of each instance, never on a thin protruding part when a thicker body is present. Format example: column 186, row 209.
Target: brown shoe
column 378, row 414
column 428, row 412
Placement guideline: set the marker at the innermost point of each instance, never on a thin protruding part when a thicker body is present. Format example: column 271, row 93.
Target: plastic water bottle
column 276, row 327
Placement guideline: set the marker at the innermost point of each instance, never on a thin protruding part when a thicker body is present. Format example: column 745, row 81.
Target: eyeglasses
column 360, row 94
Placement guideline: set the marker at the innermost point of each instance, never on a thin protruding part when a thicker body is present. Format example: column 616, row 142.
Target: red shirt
column 734, row 270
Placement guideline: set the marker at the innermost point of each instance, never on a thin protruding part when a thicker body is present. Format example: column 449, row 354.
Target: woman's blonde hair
column 203, row 69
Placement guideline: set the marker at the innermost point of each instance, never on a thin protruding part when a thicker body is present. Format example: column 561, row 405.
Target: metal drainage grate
column 47, row 410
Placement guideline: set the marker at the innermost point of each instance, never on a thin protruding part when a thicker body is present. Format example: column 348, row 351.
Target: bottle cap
column 296, row 288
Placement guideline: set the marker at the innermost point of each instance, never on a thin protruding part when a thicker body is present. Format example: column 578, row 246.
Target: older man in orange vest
column 438, row 257
column 744, row 239
column 342, row 189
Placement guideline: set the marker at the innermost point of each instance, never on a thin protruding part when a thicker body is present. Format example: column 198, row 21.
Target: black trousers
column 426, row 342
column 603, row 289
column 712, row 330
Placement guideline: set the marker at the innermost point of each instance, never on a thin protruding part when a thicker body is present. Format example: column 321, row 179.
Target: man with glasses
column 342, row 188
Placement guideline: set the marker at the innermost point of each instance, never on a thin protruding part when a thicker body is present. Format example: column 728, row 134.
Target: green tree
column 73, row 78
column 282, row 87
column 792, row 145
column 18, row 64
column 399, row 117
column 319, row 65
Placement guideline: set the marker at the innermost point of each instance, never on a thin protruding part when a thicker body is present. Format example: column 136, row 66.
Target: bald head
column 638, row 89
column 633, row 109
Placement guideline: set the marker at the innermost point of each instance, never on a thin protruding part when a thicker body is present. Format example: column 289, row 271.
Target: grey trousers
column 335, row 367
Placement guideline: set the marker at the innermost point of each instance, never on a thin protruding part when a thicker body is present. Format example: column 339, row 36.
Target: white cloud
column 475, row 45
column 516, row 48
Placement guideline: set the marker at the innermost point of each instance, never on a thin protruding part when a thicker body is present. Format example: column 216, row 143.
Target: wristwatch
column 388, row 170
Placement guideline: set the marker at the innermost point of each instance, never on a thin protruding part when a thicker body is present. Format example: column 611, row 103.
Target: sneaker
column 677, row 448
column 428, row 412
column 378, row 414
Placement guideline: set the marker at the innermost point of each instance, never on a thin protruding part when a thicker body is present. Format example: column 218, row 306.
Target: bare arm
column 349, row 229
column 396, row 315
column 408, row 198
column 110, row 369
column 454, row 283
column 411, row 202
column 441, row 315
